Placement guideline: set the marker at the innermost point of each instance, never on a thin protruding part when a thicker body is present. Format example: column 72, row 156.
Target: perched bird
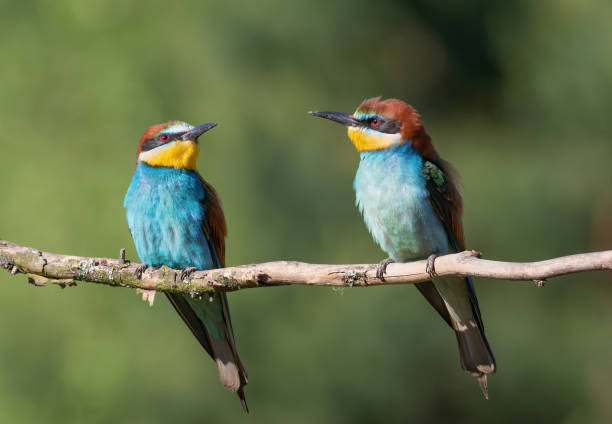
column 176, row 220
column 410, row 202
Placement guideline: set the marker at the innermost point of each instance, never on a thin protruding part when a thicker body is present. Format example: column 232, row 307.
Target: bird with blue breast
column 176, row 220
column 410, row 202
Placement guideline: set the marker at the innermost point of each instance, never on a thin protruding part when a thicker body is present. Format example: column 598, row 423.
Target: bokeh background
column 515, row 94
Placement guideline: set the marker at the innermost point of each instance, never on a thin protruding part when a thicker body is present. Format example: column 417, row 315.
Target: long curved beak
column 193, row 134
column 339, row 117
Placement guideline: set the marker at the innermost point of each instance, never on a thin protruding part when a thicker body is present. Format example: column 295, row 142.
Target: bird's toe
column 381, row 269
column 430, row 268
column 187, row 272
column 139, row 270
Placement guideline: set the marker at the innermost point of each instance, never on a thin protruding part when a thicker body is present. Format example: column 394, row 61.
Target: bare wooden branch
column 64, row 270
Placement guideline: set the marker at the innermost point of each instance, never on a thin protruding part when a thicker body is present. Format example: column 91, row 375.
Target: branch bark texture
column 64, row 270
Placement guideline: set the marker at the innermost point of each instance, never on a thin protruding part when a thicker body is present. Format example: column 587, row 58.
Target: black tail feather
column 231, row 371
column 240, row 394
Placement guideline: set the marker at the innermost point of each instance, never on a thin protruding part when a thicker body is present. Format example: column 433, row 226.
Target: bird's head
column 173, row 144
column 380, row 124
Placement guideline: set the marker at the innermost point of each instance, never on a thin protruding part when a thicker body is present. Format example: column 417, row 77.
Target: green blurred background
column 515, row 94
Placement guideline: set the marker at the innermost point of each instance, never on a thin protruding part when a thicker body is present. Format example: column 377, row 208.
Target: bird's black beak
column 341, row 118
column 198, row 131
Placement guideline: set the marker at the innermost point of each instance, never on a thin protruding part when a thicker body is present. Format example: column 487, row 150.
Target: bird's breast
column 165, row 213
column 392, row 196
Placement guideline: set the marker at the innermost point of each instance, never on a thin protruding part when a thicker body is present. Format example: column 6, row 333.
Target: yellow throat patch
column 178, row 154
column 365, row 139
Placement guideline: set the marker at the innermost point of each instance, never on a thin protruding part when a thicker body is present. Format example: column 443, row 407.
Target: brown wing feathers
column 216, row 222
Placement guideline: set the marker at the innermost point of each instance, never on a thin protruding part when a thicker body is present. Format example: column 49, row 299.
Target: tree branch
column 64, row 270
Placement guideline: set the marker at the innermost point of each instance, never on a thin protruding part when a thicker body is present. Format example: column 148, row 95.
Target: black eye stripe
column 388, row 126
column 152, row 143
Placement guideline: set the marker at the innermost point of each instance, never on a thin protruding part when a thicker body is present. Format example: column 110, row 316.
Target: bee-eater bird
column 410, row 202
column 176, row 220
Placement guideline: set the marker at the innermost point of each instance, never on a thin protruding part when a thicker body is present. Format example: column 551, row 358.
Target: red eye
column 375, row 122
column 164, row 137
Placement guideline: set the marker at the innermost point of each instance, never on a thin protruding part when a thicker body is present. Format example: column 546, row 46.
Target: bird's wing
column 215, row 229
column 213, row 225
column 442, row 184
column 194, row 312
column 429, row 291
column 181, row 305
column 215, row 232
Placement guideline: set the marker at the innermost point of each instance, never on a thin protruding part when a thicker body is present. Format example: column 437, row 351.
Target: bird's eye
column 375, row 122
column 164, row 137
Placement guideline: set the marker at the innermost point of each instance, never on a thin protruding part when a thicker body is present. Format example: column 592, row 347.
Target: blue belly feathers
column 391, row 195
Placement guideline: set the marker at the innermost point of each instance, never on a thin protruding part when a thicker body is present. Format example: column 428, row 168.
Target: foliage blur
column 515, row 94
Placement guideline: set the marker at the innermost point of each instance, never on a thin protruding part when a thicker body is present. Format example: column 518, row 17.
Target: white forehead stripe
column 178, row 128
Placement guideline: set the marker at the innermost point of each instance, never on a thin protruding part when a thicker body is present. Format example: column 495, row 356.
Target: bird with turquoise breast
column 176, row 220
column 410, row 202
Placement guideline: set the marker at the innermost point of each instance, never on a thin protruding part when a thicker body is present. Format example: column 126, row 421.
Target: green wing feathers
column 457, row 293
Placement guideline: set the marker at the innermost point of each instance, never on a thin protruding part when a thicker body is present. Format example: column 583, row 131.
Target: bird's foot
column 381, row 269
column 139, row 270
column 187, row 272
column 430, row 268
